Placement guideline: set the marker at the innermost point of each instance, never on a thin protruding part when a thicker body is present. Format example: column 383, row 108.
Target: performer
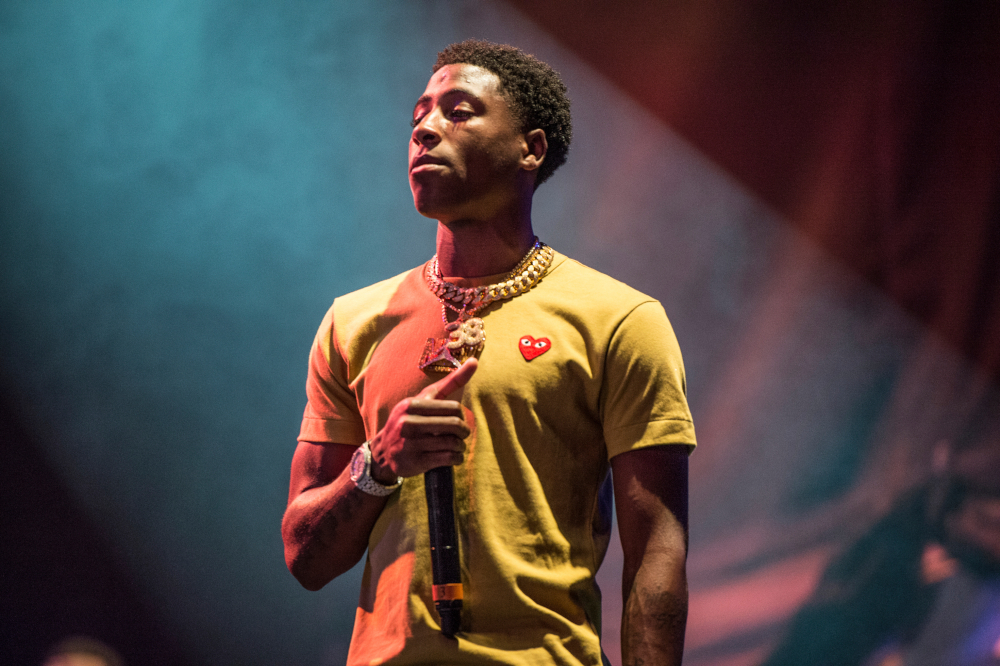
column 529, row 373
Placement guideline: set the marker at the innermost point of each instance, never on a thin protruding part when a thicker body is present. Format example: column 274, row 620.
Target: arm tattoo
column 665, row 610
column 654, row 623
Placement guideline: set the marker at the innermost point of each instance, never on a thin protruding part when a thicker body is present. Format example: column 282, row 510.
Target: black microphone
column 439, row 484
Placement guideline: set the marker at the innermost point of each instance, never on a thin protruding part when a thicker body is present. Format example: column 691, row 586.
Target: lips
column 425, row 160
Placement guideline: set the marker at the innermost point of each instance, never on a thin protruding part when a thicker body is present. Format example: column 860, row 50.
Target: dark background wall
column 811, row 192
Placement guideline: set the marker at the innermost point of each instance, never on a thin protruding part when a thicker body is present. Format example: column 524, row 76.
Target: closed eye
column 457, row 115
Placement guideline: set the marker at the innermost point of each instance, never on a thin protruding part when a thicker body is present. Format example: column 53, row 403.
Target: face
column 466, row 153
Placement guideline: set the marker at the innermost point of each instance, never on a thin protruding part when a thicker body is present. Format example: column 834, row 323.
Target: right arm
column 328, row 519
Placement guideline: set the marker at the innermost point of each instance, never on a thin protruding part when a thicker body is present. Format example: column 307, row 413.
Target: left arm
column 651, row 500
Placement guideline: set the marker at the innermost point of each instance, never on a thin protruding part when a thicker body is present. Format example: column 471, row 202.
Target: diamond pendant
column 466, row 339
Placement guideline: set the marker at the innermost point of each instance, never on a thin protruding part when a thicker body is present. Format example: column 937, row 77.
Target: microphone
column 439, row 484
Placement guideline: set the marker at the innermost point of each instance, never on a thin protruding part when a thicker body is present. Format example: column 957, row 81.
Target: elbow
column 311, row 566
column 308, row 578
column 313, row 575
column 663, row 560
column 305, row 569
column 312, row 559
column 301, row 563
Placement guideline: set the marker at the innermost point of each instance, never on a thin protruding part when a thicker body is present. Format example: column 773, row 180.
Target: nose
column 425, row 133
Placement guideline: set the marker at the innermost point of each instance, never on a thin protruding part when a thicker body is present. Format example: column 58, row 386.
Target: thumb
column 452, row 382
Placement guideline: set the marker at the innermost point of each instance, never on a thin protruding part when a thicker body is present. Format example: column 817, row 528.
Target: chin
column 424, row 207
column 432, row 207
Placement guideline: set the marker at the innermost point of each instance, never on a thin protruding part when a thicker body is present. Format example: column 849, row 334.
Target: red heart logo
column 532, row 348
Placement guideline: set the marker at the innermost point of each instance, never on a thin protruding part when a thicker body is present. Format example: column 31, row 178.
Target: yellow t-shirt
column 609, row 379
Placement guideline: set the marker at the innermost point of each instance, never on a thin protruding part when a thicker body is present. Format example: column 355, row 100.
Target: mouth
column 424, row 162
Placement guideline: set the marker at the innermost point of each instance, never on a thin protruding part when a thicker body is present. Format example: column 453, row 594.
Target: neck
column 477, row 248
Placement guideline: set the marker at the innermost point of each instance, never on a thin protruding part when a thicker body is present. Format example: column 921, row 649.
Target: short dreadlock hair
column 534, row 90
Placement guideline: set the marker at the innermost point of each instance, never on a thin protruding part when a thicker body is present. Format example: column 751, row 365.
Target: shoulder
column 567, row 268
column 633, row 324
column 366, row 309
column 378, row 296
column 596, row 293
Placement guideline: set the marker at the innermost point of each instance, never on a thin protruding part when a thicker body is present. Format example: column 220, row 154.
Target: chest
column 534, row 359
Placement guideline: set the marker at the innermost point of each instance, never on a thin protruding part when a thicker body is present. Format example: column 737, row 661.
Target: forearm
column 651, row 499
column 655, row 610
column 326, row 530
column 329, row 519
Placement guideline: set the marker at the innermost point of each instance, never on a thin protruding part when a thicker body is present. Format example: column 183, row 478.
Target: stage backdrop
column 185, row 186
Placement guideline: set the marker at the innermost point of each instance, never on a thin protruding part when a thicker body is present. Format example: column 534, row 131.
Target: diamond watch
column 361, row 468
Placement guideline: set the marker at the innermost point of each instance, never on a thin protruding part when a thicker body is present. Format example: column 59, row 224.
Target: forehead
column 471, row 78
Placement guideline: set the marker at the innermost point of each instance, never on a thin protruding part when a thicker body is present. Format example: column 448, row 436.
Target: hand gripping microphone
column 439, row 484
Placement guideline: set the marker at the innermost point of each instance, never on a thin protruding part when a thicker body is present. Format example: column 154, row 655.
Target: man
column 550, row 371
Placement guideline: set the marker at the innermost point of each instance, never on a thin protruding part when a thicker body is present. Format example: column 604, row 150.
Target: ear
column 533, row 149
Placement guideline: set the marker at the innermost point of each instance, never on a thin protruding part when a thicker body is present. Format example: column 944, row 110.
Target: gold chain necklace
column 466, row 336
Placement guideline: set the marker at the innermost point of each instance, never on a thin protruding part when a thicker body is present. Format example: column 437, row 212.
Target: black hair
column 534, row 90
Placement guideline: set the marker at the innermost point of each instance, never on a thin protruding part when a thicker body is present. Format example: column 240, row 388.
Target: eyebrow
column 426, row 98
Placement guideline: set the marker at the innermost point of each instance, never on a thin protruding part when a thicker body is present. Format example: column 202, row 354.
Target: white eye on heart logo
column 532, row 348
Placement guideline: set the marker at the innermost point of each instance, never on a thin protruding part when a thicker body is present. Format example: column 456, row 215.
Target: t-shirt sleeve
column 331, row 414
column 645, row 394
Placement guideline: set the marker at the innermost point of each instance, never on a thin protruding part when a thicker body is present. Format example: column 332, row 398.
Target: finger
column 452, row 382
column 433, row 459
column 419, row 427
column 421, row 446
column 433, row 407
column 429, row 460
